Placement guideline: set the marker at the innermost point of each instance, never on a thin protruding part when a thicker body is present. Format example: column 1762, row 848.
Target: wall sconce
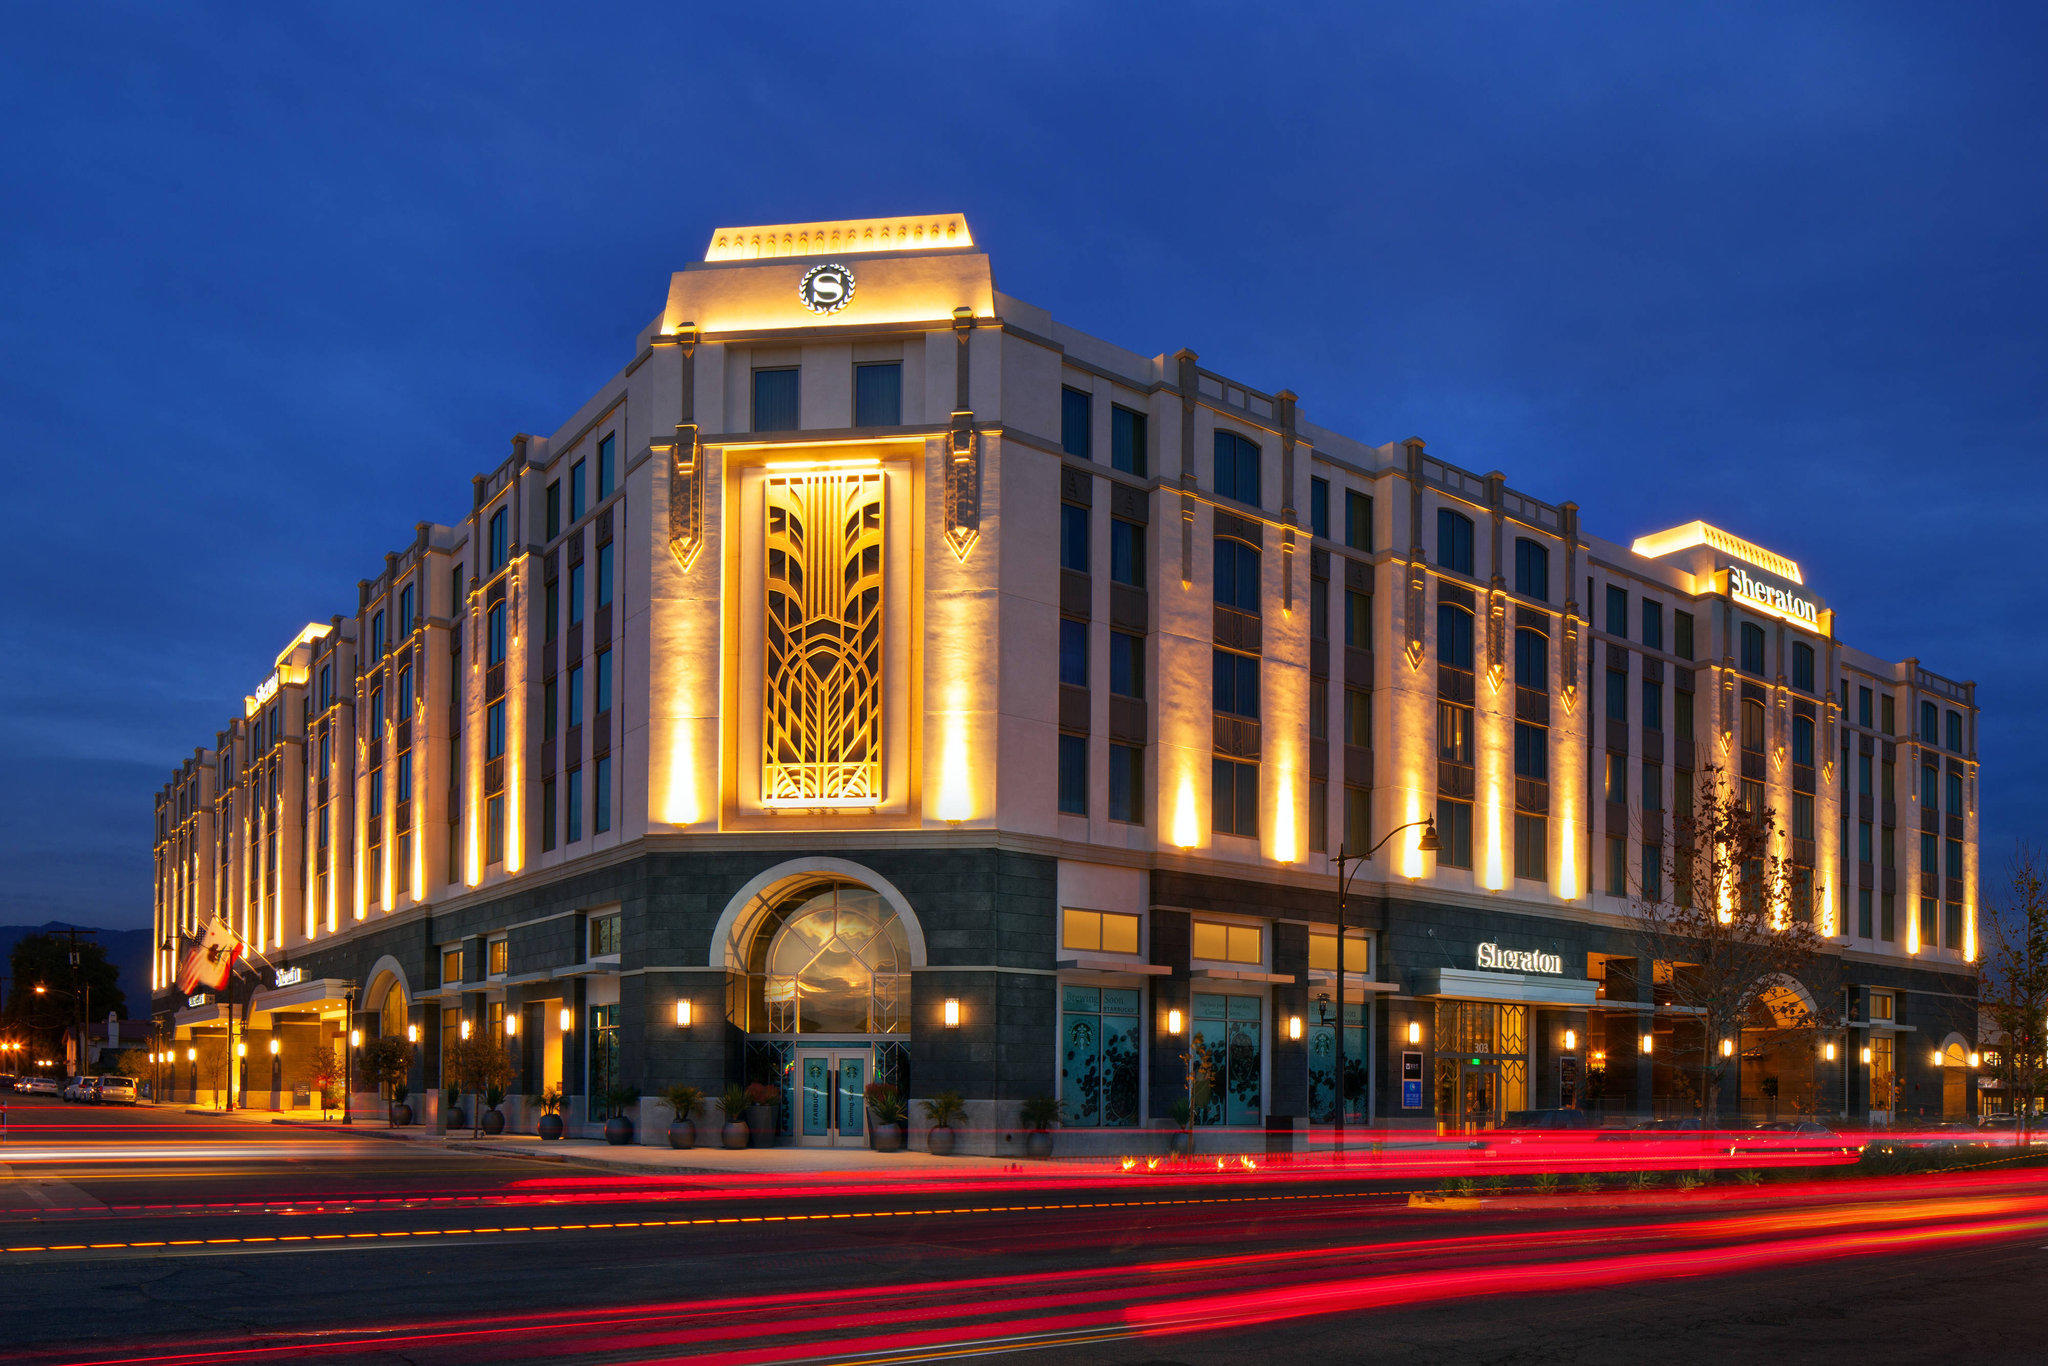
column 1727, row 1048
column 191, row 1055
column 1976, row 1060
column 412, row 1033
column 273, row 1048
column 1649, row 1044
column 1173, row 1022
column 1571, row 1040
column 242, row 1050
column 1865, row 1055
column 952, row 1012
column 1415, row 1031
column 684, row 1014
column 465, row 1026
column 563, row 1018
column 1827, row 1050
column 1935, row 1057
column 355, row 1036
column 1294, row 1026
column 511, row 1025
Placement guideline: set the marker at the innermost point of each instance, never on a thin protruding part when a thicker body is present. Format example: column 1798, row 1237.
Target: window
column 1891, row 716
column 500, row 957
column 1454, row 833
column 1454, row 732
column 1127, row 440
column 1236, row 679
column 1318, row 609
column 547, row 815
column 1927, row 918
column 1358, row 718
column 494, row 730
column 575, row 593
column 1074, row 538
column 1098, row 931
column 1653, row 705
column 1802, row 740
column 1653, row 787
column 1532, row 569
column 1681, row 634
column 1532, row 659
column 1532, row 752
column 1073, row 652
column 1532, row 846
column 551, row 609
column 1357, row 619
column 607, row 463
column 1802, row 666
column 1930, row 786
column 376, row 635
column 1617, row 694
column 1890, row 787
column 550, row 709
column 408, row 610
column 1863, row 920
column 604, row 574
column 404, row 777
column 494, row 635
column 1073, row 767
column 1099, row 1056
column 1653, row 624
column 1357, row 520
column 1888, row 919
column 1076, row 426
column 604, row 936
column 1318, row 815
column 1319, row 709
column 576, row 695
column 1863, row 775
column 451, row 965
column 1454, row 541
column 1322, row 953
column 1953, row 868
column 1954, row 733
column 1357, row 818
column 1126, row 664
column 553, row 501
column 1218, row 942
column 1952, row 924
column 1234, row 789
column 572, row 816
column 1615, row 773
column 1881, row 1005
column 1929, row 722
column 601, row 795
column 1617, row 611
column 604, row 683
column 494, row 828
column 1617, row 866
column 497, row 538
column 1453, row 636
column 576, row 503
column 1127, row 784
column 1752, row 648
column 775, row 400
column 1954, row 794
column 878, row 394
column 1237, row 468
column 1653, row 872
column 1126, row 552
column 1888, row 846
column 1319, row 507
column 326, row 686
column 1237, row 575
column 376, row 710
column 1753, row 726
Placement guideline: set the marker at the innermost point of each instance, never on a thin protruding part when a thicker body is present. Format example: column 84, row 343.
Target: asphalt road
column 153, row 1236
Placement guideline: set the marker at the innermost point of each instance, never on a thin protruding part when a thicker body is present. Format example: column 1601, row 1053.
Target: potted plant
column 733, row 1105
column 762, row 1102
column 1039, row 1114
column 493, row 1117
column 942, row 1112
column 386, row 1063
column 453, row 1111
column 479, row 1065
column 618, row 1130
column 885, row 1115
column 684, row 1100
column 1183, row 1140
column 550, row 1102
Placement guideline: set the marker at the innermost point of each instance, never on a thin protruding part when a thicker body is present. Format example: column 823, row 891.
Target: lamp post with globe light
column 1426, row 843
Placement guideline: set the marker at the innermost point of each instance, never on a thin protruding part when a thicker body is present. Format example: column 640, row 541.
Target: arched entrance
column 1954, row 1058
column 819, row 955
column 385, row 998
column 1781, row 1074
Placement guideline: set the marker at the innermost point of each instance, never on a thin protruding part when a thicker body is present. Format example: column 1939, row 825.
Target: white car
column 39, row 1086
column 118, row 1089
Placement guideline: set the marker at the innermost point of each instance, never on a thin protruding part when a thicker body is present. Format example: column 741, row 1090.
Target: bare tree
column 1731, row 920
column 2014, row 992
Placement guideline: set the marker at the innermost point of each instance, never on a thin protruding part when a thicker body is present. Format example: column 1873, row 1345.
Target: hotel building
column 878, row 679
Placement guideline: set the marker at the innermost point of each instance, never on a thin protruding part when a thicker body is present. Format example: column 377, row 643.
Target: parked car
column 1670, row 1125
column 41, row 1086
column 76, row 1089
column 1792, row 1136
column 7, row 1080
column 117, row 1090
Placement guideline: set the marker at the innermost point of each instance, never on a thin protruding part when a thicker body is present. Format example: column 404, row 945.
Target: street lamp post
column 348, row 1051
column 1426, row 843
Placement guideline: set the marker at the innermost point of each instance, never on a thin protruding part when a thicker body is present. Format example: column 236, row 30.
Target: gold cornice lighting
column 314, row 630
column 848, row 235
column 1659, row 544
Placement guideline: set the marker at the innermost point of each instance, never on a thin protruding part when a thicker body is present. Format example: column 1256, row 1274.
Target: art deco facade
column 877, row 678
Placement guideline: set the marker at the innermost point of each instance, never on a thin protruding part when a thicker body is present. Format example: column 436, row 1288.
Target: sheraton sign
column 1498, row 959
column 1768, row 595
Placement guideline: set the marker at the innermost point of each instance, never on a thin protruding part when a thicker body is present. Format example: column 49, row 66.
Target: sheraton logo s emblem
column 827, row 288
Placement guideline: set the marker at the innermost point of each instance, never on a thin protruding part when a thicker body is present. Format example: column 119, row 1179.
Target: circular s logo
column 826, row 289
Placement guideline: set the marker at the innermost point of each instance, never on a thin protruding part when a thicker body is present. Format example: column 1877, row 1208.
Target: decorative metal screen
column 822, row 659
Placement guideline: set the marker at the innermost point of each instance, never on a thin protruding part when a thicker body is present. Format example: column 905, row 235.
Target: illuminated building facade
column 877, row 679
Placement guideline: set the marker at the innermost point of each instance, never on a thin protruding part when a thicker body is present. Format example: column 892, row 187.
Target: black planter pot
column 1182, row 1144
column 401, row 1114
column 456, row 1119
column 939, row 1140
column 550, row 1126
column 734, row 1134
column 1038, row 1144
column 494, row 1121
column 682, row 1133
column 618, row 1131
column 761, row 1125
column 888, row 1138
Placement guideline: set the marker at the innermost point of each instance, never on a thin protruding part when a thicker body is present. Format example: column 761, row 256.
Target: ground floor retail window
column 1322, row 1064
column 1225, row 1058
column 1099, row 1055
column 604, row 1058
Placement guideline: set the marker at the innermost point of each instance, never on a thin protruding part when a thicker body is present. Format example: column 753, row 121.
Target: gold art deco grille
column 822, row 665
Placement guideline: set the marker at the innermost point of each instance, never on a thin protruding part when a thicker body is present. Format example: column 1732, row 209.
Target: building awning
column 319, row 991
column 1284, row 979
column 213, row 1012
column 1114, row 965
column 1531, row 988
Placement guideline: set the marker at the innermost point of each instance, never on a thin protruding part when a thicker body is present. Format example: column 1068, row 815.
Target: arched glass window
column 1753, row 726
column 1453, row 636
column 832, row 960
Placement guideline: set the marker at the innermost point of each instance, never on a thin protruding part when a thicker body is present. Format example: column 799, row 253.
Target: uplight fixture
column 952, row 1012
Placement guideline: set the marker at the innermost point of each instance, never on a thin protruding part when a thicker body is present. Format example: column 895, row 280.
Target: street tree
column 2014, row 990
column 76, row 990
column 478, row 1064
column 1725, row 923
column 386, row 1063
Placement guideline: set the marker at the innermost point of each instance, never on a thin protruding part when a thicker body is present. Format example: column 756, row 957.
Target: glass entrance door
column 831, row 1096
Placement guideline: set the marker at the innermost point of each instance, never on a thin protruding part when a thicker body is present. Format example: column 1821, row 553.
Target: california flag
column 208, row 962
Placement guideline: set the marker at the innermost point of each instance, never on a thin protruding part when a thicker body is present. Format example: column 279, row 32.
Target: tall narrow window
column 1357, row 520
column 1453, row 636
column 1126, row 783
column 601, row 795
column 553, row 501
column 1127, row 440
column 1237, row 575
column 1681, row 634
column 1532, row 659
column 1454, row 833
column 1454, row 541
column 575, row 717
column 1073, row 653
column 1234, row 792
column 1802, row 666
column 573, row 815
column 878, row 394
column 1617, row 611
column 1653, row 624
column 775, row 400
column 494, row 634
column 604, row 682
column 575, row 593
column 604, row 574
column 607, row 463
column 1074, row 538
column 1077, row 436
column 1532, row 569
column 1357, row 619
column 1753, row 648
column 1126, row 664
column 1237, row 468
column 497, row 539
column 576, row 503
column 1236, row 684
column 1126, row 552
column 408, row 611
column 551, row 609
column 1319, row 507
column 1073, row 774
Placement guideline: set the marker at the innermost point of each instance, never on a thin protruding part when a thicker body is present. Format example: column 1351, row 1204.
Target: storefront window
column 1322, row 1061
column 1099, row 1055
column 1225, row 1055
column 604, row 1058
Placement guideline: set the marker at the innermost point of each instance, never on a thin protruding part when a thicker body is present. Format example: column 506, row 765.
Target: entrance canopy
column 1531, row 988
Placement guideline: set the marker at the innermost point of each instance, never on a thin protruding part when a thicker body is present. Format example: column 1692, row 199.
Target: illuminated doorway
column 1482, row 1063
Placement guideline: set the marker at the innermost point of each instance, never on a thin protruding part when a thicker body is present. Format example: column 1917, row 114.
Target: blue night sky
column 278, row 284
